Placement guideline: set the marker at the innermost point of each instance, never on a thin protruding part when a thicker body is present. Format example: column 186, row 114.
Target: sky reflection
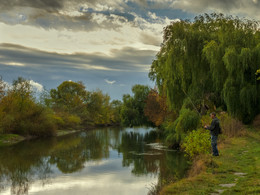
column 105, row 161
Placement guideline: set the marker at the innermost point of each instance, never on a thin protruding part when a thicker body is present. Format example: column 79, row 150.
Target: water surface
column 102, row 161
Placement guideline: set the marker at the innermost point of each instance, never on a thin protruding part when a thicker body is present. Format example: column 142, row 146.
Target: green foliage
column 98, row 106
column 69, row 96
column 67, row 121
column 187, row 120
column 170, row 132
column 258, row 73
column 176, row 131
column 197, row 142
column 75, row 106
column 215, row 57
column 73, row 120
column 21, row 114
column 128, row 113
column 132, row 111
column 115, row 111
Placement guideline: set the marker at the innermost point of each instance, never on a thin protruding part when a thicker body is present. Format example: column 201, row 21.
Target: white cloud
column 109, row 82
column 36, row 86
column 14, row 64
column 152, row 15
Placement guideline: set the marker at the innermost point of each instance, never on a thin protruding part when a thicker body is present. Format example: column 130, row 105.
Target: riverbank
column 10, row 139
column 236, row 170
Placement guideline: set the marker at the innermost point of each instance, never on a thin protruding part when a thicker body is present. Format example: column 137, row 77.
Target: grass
column 235, row 171
column 9, row 139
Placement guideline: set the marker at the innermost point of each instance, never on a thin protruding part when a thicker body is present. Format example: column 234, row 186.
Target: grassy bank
column 9, row 139
column 235, row 171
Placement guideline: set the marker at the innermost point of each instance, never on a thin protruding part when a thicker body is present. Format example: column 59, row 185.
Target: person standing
column 215, row 130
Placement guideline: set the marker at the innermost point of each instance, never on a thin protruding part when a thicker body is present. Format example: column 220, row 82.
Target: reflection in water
column 128, row 156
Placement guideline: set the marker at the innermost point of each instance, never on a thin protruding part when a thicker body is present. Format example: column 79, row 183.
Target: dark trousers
column 214, row 139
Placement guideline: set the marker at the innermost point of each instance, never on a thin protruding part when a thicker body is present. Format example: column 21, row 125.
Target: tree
column 128, row 113
column 75, row 106
column 2, row 88
column 69, row 96
column 98, row 106
column 115, row 111
column 22, row 115
column 132, row 111
column 156, row 108
column 213, row 58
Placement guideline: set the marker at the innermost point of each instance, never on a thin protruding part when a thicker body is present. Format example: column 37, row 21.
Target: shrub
column 197, row 142
column 73, row 121
column 20, row 114
column 230, row 126
column 256, row 122
column 187, row 121
column 176, row 131
column 59, row 121
column 169, row 127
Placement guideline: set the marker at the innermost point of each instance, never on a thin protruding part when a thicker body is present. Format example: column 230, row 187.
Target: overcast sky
column 108, row 45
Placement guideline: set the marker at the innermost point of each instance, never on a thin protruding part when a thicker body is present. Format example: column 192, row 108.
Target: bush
column 197, row 142
column 64, row 120
column 169, row 131
column 73, row 121
column 230, row 126
column 176, row 131
column 59, row 121
column 256, row 122
column 187, row 121
column 20, row 114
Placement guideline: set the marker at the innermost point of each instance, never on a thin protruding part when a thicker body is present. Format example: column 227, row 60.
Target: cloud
column 127, row 66
column 149, row 39
column 248, row 8
column 109, row 82
column 78, row 15
column 14, row 64
column 36, row 86
column 48, row 5
column 64, row 14
column 125, row 59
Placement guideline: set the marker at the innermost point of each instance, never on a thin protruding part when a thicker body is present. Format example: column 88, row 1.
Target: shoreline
column 11, row 139
column 236, row 170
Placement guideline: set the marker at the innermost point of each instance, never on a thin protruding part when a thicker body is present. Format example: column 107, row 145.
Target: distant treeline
column 69, row 106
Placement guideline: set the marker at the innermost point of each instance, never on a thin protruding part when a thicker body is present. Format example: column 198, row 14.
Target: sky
column 108, row 45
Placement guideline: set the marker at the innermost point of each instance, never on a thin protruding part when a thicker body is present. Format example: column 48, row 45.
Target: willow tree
column 258, row 73
column 212, row 58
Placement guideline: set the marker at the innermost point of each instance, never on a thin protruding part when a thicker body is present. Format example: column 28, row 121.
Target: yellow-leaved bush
column 197, row 142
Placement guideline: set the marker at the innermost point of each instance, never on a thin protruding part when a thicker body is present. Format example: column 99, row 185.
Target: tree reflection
column 23, row 164
column 146, row 160
column 20, row 163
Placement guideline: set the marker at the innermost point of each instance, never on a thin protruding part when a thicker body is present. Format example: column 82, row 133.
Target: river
column 102, row 161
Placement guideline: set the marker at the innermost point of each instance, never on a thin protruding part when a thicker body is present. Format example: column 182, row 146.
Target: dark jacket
column 214, row 127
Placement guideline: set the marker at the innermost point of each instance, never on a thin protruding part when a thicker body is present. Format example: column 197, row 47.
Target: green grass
column 237, row 155
column 9, row 139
